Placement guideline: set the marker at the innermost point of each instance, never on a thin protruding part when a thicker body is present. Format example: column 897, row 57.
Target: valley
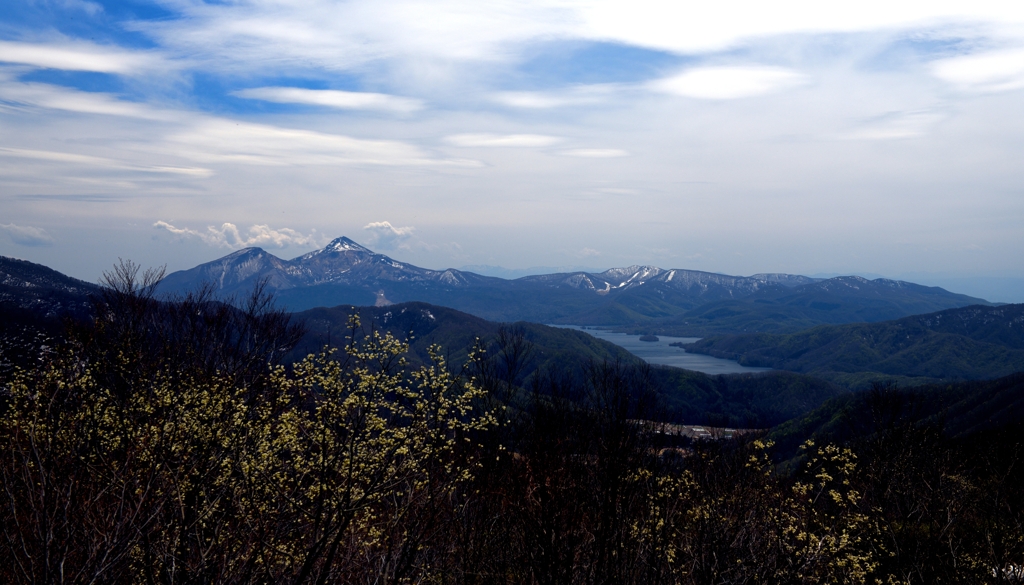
column 664, row 352
column 733, row 415
column 846, row 332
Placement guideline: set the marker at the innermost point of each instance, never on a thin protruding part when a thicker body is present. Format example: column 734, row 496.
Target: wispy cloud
column 718, row 115
column 726, row 83
column 385, row 236
column 896, row 125
column 594, row 152
column 27, row 235
column 988, row 71
column 229, row 236
column 43, row 95
column 574, row 96
column 283, row 34
column 221, row 140
column 79, row 56
column 345, row 100
column 216, row 139
column 502, row 140
column 101, row 162
column 705, row 27
column 74, row 197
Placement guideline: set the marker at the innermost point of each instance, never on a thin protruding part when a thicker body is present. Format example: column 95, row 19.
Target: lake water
column 661, row 353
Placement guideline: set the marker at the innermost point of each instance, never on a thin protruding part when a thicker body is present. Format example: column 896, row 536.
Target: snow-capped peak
column 344, row 244
column 631, row 273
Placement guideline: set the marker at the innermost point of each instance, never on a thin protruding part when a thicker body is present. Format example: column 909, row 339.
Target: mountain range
column 972, row 342
column 967, row 343
column 658, row 299
column 35, row 303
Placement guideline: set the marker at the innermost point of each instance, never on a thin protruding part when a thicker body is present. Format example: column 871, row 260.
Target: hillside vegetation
column 969, row 343
column 36, row 322
column 170, row 442
column 733, row 400
column 959, row 411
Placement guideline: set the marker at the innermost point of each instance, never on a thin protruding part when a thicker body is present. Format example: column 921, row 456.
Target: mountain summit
column 345, row 272
column 343, row 262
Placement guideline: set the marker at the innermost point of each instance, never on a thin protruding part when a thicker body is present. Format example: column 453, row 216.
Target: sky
column 881, row 138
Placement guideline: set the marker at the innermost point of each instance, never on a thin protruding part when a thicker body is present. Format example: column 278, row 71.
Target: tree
column 142, row 454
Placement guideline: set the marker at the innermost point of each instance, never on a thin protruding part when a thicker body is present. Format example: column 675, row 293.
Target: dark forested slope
column 735, row 400
column 34, row 302
column 844, row 299
column 968, row 343
column 958, row 410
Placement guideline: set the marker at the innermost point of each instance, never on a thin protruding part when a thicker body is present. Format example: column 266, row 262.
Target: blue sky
column 735, row 137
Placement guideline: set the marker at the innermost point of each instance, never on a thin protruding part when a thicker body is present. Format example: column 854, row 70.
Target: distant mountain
column 646, row 299
column 342, row 263
column 973, row 342
column 34, row 300
column 35, row 287
column 345, row 272
column 513, row 273
column 843, row 299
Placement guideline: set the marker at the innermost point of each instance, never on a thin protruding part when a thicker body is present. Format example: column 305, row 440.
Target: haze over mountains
column 848, row 330
column 36, row 299
column 345, row 272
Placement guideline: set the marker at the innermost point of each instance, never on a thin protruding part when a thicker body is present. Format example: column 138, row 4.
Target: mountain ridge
column 966, row 343
column 345, row 272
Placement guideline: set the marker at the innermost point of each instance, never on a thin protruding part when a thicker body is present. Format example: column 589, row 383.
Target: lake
column 661, row 353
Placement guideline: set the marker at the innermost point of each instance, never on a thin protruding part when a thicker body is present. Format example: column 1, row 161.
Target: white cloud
column 588, row 253
column 229, row 236
column 896, row 125
column 697, row 27
column 531, row 99
column 986, row 72
column 78, row 56
column 719, row 167
column 27, row 235
column 502, row 140
column 213, row 139
column 101, row 162
column 347, row 100
column 284, row 34
column 724, row 83
column 54, row 97
column 385, row 236
column 222, row 140
column 576, row 96
column 594, row 152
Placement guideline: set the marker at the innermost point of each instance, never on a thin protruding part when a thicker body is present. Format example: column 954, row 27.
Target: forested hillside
column 171, row 442
column 960, row 410
column 969, row 343
column 845, row 299
column 746, row 401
